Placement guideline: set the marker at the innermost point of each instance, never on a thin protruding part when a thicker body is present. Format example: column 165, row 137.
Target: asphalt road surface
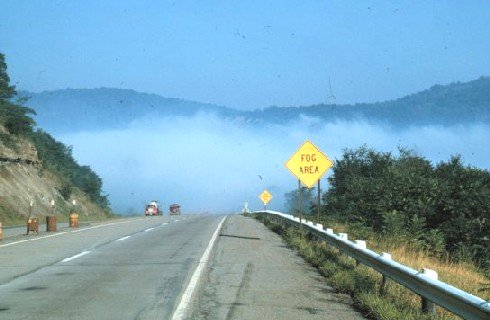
column 127, row 269
column 157, row 268
column 253, row 275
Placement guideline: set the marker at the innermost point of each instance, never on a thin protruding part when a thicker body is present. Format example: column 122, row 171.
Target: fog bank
column 210, row 164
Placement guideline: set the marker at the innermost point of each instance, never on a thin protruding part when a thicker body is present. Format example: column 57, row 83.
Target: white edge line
column 51, row 235
column 123, row 238
column 186, row 297
column 74, row 231
column 76, row 256
column 12, row 243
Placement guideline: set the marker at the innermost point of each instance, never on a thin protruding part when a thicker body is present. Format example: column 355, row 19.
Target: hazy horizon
column 246, row 55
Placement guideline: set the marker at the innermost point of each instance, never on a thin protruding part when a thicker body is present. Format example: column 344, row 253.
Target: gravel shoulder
column 253, row 275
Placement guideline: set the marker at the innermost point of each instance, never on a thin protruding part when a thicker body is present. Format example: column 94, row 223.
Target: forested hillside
column 72, row 110
column 39, row 153
column 453, row 104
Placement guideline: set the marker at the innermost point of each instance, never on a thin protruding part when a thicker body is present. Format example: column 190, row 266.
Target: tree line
column 443, row 208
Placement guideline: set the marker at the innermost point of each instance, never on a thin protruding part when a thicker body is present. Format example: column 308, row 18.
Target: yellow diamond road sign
column 265, row 197
column 308, row 164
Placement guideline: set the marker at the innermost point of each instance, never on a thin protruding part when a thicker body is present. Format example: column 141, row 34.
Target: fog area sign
column 265, row 197
column 308, row 164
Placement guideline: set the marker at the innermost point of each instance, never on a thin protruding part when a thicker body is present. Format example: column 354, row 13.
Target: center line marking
column 149, row 229
column 123, row 238
column 186, row 297
column 76, row 256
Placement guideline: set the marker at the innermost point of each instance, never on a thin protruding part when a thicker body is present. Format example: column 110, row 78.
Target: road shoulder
column 253, row 275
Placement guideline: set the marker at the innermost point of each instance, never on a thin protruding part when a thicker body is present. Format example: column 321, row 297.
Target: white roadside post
column 361, row 244
column 427, row 305
column 384, row 279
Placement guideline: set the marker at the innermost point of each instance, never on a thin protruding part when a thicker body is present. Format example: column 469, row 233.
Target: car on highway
column 175, row 209
column 151, row 209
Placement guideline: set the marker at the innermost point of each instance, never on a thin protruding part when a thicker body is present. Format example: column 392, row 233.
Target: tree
column 6, row 90
column 13, row 116
column 308, row 201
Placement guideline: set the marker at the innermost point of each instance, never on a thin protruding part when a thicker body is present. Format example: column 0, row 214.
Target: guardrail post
column 384, row 279
column 427, row 305
column 361, row 244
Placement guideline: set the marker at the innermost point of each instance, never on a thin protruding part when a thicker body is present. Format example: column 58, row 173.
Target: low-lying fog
column 209, row 164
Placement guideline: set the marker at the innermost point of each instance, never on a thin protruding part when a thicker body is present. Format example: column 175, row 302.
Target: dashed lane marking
column 76, row 256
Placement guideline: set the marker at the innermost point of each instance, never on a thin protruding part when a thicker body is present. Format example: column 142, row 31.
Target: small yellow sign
column 265, row 197
column 308, row 164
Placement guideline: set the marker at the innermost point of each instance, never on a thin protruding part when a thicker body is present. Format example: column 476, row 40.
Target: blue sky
column 247, row 54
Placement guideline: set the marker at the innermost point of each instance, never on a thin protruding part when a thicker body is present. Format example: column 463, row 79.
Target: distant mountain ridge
column 108, row 108
column 456, row 103
column 103, row 108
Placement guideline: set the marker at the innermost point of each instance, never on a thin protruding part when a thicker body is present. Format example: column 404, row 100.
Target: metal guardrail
column 450, row 298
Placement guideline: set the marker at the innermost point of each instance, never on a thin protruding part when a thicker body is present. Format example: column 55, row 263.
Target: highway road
column 127, row 269
column 162, row 268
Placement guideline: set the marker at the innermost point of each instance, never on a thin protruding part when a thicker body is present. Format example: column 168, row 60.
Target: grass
column 363, row 283
column 463, row 275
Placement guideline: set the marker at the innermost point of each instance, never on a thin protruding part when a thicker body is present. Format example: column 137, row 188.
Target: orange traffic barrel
column 51, row 223
column 32, row 225
column 1, row 232
column 73, row 220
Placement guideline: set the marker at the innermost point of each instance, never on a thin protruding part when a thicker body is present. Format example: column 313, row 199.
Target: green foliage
column 393, row 224
column 58, row 157
column 65, row 190
column 13, row 117
column 9, row 141
column 6, row 90
column 376, row 306
column 308, row 201
column 433, row 242
column 437, row 208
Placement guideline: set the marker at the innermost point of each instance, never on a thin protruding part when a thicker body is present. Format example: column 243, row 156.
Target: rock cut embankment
column 24, row 180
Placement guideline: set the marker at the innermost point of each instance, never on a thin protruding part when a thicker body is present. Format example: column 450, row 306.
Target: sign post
column 318, row 203
column 308, row 164
column 265, row 197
